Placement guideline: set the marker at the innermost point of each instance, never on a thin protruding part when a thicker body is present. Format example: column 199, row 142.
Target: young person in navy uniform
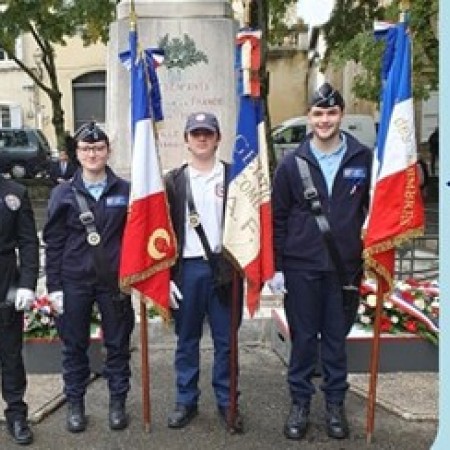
column 75, row 279
column 193, row 297
column 18, row 279
column 63, row 169
column 340, row 169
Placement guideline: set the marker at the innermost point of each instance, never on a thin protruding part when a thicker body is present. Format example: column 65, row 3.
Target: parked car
column 288, row 134
column 24, row 152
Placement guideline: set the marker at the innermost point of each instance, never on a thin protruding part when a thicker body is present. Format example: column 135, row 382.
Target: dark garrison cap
column 326, row 97
column 90, row 132
column 202, row 121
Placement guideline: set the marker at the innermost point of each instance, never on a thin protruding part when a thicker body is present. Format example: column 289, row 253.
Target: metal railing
column 419, row 258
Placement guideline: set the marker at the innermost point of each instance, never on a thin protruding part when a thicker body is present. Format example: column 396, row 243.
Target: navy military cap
column 90, row 132
column 202, row 121
column 326, row 97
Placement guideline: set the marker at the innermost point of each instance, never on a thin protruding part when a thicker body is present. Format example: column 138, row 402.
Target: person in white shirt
column 193, row 292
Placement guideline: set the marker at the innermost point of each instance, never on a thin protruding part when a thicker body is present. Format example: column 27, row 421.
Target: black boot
column 297, row 421
column 20, row 431
column 76, row 418
column 118, row 418
column 337, row 425
column 181, row 415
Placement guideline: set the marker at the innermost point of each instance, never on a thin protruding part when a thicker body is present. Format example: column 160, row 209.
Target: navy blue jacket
column 68, row 255
column 298, row 242
column 17, row 231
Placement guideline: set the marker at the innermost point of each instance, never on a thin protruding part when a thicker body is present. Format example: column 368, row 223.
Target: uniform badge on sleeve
column 12, row 202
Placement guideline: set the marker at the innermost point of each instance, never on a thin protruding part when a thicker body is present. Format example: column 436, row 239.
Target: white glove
column 24, row 299
column 276, row 284
column 57, row 300
column 174, row 296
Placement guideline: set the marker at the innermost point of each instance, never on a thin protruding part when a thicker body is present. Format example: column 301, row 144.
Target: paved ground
column 264, row 403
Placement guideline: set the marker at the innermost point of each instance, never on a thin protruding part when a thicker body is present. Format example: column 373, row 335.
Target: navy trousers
column 314, row 312
column 200, row 301
column 74, row 330
column 11, row 362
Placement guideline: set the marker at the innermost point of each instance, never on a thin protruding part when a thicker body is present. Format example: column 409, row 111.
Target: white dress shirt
column 207, row 191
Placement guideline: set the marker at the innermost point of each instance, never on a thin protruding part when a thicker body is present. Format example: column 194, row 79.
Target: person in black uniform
column 433, row 146
column 17, row 286
column 317, row 302
column 82, row 268
column 63, row 169
column 193, row 296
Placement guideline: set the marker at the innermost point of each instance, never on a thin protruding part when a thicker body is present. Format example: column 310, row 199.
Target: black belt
column 195, row 258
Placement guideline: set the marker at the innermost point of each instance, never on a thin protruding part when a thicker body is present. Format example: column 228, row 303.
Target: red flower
column 413, row 283
column 408, row 296
column 411, row 326
column 365, row 289
column 385, row 324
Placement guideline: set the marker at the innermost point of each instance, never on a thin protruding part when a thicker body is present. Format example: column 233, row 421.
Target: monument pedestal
column 197, row 74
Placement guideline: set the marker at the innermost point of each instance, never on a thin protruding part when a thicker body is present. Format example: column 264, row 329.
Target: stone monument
column 197, row 74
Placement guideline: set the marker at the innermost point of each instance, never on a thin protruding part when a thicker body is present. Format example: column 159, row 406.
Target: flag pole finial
column 133, row 18
column 247, row 12
column 404, row 9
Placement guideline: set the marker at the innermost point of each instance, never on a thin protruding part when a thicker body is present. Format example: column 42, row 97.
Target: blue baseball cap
column 202, row 121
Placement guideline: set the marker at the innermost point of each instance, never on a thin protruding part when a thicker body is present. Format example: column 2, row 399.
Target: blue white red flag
column 396, row 211
column 248, row 215
column 149, row 244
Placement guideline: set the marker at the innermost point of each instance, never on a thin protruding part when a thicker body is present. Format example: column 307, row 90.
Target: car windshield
column 13, row 138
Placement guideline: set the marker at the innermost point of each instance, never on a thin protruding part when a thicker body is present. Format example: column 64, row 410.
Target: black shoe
column 76, row 419
column 20, row 431
column 337, row 425
column 237, row 427
column 181, row 415
column 297, row 421
column 118, row 418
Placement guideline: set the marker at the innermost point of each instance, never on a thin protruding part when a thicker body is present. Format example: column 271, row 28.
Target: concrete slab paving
column 405, row 418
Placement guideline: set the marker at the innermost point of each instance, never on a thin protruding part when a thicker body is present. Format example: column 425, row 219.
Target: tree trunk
column 261, row 17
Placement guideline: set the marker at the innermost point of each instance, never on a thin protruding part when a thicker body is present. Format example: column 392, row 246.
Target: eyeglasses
column 92, row 148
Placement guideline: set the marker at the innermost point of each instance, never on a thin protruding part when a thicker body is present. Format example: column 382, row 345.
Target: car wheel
column 18, row 171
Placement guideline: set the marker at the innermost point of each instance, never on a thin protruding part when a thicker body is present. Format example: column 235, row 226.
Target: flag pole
column 375, row 353
column 374, row 363
column 232, row 413
column 145, row 372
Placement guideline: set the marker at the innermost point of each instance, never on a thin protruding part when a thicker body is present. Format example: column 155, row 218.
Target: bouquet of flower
column 39, row 320
column 412, row 307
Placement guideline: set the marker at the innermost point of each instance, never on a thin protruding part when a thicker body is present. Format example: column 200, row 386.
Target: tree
column 349, row 37
column 275, row 12
column 50, row 23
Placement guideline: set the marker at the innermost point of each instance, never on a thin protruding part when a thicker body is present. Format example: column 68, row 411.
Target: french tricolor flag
column 248, row 215
column 148, row 245
column 396, row 212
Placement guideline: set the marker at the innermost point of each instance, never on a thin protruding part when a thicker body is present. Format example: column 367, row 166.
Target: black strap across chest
column 312, row 197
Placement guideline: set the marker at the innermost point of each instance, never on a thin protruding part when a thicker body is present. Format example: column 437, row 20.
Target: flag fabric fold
column 396, row 212
column 248, row 214
column 149, row 243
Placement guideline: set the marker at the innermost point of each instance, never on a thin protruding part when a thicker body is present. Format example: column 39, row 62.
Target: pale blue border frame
column 442, row 441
